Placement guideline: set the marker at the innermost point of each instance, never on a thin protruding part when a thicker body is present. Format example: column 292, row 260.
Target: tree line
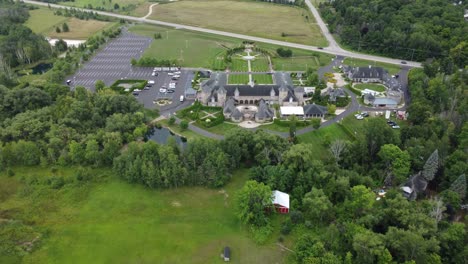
column 413, row 30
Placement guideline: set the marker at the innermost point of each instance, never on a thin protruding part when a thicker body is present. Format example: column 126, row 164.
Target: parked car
column 153, row 74
column 403, row 62
column 162, row 90
column 364, row 114
column 147, row 87
column 137, row 90
column 396, row 126
column 68, row 82
column 181, row 98
column 170, row 73
column 135, row 93
column 359, row 117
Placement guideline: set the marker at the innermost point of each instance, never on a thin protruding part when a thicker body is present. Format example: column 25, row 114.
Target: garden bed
column 128, row 86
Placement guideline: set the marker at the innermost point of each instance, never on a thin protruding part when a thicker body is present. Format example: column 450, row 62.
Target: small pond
column 161, row 135
column 41, row 68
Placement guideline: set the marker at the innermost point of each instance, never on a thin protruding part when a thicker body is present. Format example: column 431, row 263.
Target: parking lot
column 113, row 63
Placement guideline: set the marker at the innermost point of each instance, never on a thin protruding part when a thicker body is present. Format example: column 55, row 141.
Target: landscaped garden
column 238, row 79
column 262, row 78
column 370, row 86
column 128, row 86
column 208, row 50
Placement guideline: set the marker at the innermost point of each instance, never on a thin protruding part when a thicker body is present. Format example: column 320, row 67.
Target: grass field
column 239, row 65
column 392, row 69
column 80, row 29
column 370, row 86
column 109, row 221
column 126, row 6
column 206, row 50
column 238, row 79
column 220, row 129
column 260, row 64
column 262, row 78
column 44, row 21
column 246, row 17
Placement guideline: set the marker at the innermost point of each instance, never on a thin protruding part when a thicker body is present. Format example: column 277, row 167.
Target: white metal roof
column 292, row 110
column 281, row 198
column 407, row 189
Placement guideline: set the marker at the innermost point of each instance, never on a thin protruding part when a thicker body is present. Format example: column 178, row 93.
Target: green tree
column 252, row 202
column 65, row 27
column 77, row 152
column 316, row 205
column 99, row 85
column 58, row 30
column 331, row 109
column 92, row 154
column 171, row 120
column 361, row 200
column 396, row 161
column 184, row 125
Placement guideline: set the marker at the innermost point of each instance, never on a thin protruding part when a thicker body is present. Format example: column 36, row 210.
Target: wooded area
column 413, row 30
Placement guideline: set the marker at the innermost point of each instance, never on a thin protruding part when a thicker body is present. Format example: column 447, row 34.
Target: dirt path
column 150, row 11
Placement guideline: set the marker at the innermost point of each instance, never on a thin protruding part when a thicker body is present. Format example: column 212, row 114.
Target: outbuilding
column 292, row 110
column 227, row 254
column 281, row 202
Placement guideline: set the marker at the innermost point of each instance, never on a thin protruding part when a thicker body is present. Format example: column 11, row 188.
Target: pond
column 41, row 68
column 162, row 135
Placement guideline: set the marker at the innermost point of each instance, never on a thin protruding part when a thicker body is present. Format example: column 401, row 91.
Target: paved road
column 334, row 50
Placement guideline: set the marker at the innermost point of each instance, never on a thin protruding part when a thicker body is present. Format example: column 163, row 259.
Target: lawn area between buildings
column 392, row 69
column 268, row 20
column 196, row 49
column 110, row 221
column 370, row 86
column 44, row 21
column 238, row 78
column 262, row 78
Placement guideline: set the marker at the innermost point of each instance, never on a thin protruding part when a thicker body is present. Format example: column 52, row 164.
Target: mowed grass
column 262, row 78
column 207, row 50
column 391, row 68
column 109, row 5
column 370, row 86
column 266, row 20
column 111, row 221
column 238, row 79
column 43, row 20
column 239, row 65
column 260, row 64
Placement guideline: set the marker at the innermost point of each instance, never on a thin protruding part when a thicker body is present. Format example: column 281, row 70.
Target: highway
column 333, row 48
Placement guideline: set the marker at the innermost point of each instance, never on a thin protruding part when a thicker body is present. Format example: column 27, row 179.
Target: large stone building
column 216, row 92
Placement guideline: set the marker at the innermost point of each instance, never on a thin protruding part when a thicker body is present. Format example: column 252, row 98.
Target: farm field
column 207, row 50
column 370, row 86
column 266, row 20
column 44, row 21
column 109, row 221
column 392, row 69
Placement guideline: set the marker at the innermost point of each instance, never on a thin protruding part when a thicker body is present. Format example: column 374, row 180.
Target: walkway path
column 334, row 50
column 150, row 11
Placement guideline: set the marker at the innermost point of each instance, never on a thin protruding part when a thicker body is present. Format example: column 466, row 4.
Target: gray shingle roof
column 313, row 109
column 368, row 72
column 264, row 112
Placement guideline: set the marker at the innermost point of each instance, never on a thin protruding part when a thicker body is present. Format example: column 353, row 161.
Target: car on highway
column 403, row 62
column 320, row 48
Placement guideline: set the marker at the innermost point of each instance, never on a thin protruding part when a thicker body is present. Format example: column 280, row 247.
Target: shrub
column 171, row 120
column 308, row 224
column 286, row 227
column 10, row 172
column 184, row 125
column 261, row 234
column 296, row 217
column 315, row 122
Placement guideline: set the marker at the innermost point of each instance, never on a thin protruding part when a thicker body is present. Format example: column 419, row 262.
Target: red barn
column 281, row 202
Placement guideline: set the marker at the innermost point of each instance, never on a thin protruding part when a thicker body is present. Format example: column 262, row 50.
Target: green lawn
column 370, row 86
column 260, row 64
column 392, row 69
column 268, row 20
column 188, row 134
column 207, row 50
column 239, row 65
column 262, row 78
column 110, row 221
column 301, row 63
column 220, row 129
column 238, row 78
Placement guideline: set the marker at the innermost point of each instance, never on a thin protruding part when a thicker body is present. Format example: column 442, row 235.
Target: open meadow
column 106, row 220
column 195, row 49
column 268, row 20
column 132, row 7
column 44, row 21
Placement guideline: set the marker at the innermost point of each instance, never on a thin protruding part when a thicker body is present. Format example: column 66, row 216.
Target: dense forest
column 414, row 30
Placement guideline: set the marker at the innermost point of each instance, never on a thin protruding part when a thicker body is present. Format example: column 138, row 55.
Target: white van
column 181, row 98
